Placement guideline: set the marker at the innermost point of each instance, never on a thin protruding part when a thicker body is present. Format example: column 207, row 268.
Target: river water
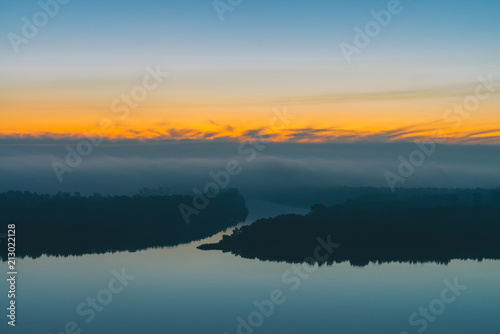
column 185, row 290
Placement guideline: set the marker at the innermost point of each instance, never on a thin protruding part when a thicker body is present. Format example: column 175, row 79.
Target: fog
column 124, row 167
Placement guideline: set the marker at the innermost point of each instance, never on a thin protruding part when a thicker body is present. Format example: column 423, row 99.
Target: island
column 378, row 228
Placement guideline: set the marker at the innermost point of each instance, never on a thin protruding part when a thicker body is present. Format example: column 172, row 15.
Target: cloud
column 308, row 134
column 458, row 90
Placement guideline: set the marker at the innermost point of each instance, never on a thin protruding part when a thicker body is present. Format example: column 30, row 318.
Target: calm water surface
column 185, row 290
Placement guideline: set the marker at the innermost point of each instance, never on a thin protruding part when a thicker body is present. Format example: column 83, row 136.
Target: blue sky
column 256, row 33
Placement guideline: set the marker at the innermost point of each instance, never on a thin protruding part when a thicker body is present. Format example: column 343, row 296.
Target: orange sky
column 184, row 108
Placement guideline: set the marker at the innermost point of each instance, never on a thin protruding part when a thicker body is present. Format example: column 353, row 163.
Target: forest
column 71, row 224
column 378, row 228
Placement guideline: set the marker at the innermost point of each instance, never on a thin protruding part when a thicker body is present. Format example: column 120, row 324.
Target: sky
column 160, row 93
column 227, row 78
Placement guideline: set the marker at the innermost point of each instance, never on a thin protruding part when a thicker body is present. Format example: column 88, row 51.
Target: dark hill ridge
column 65, row 225
column 435, row 228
